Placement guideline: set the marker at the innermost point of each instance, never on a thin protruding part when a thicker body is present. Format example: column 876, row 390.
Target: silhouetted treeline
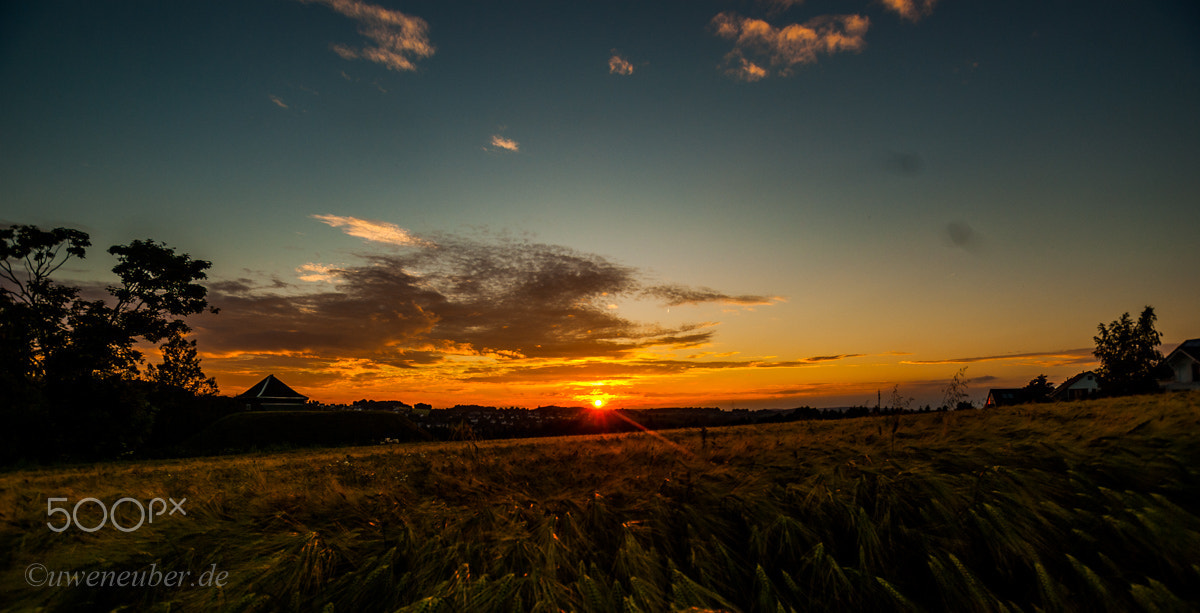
column 484, row 422
column 74, row 384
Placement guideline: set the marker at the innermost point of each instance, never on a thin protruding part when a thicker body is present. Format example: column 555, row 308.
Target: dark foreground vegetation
column 1089, row 506
column 74, row 380
column 263, row 430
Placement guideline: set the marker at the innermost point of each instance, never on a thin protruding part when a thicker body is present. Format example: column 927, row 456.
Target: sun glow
column 598, row 403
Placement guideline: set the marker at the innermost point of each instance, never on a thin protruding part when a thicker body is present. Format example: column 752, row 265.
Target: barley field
column 1086, row 506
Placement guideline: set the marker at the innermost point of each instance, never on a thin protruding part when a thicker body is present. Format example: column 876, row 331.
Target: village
column 486, row 422
column 475, row 421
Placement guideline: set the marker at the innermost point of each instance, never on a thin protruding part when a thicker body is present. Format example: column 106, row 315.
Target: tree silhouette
column 33, row 308
column 1128, row 353
column 1039, row 388
column 180, row 368
column 155, row 284
column 70, row 365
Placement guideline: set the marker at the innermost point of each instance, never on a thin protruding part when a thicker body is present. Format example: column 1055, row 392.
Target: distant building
column 271, row 394
column 1082, row 385
column 1003, row 397
column 1184, row 362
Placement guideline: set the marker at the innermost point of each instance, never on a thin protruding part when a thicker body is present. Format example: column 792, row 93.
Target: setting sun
column 598, row 403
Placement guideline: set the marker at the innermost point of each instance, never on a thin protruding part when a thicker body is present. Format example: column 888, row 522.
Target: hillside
column 1082, row 506
column 260, row 430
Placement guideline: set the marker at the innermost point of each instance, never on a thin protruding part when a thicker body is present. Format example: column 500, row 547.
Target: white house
column 1185, row 364
column 1081, row 385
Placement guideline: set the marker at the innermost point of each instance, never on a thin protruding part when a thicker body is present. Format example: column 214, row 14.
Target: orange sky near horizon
column 453, row 319
column 855, row 382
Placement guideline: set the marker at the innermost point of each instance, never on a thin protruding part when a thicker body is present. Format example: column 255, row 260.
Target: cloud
column 397, row 40
column 782, row 49
column 374, row 231
column 279, row 103
column 619, row 65
column 508, row 144
column 679, row 295
column 314, row 273
column 244, row 286
column 743, row 69
column 1051, row 358
column 613, row 371
column 595, row 370
column 903, row 162
column 830, row 358
column 961, row 235
column 912, row 10
column 459, row 297
column 779, row 6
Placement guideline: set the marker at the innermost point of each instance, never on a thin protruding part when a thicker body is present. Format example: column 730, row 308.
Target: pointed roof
column 1064, row 390
column 271, row 388
column 1004, row 396
column 1189, row 348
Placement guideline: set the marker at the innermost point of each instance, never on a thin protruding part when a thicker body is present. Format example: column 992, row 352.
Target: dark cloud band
column 458, row 296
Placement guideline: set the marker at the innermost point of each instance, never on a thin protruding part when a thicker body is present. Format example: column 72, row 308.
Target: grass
column 1081, row 506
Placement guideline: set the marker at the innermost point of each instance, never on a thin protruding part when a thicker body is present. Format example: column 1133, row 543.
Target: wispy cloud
column 508, row 144
column 832, row 358
column 778, row 6
column 743, row 69
column 397, row 40
column 902, row 162
column 760, row 48
column 1045, row 358
column 679, row 295
column 374, row 231
column 619, row 65
column 961, row 235
column 912, row 10
column 611, row 370
column 279, row 103
column 315, row 273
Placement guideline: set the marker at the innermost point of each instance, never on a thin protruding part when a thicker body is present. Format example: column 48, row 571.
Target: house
column 1003, row 397
column 1082, row 385
column 271, row 394
column 1184, row 362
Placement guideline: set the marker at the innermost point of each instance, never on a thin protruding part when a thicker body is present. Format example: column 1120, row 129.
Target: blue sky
column 894, row 182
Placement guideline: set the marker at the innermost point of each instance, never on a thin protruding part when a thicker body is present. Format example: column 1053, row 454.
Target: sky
column 737, row 203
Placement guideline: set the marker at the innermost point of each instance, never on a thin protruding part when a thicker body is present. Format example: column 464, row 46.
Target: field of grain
column 1083, row 506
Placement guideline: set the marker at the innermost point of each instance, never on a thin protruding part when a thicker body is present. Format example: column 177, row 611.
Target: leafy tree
column 68, row 337
column 156, row 283
column 33, row 308
column 72, row 365
column 180, row 368
column 1128, row 353
column 1039, row 388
